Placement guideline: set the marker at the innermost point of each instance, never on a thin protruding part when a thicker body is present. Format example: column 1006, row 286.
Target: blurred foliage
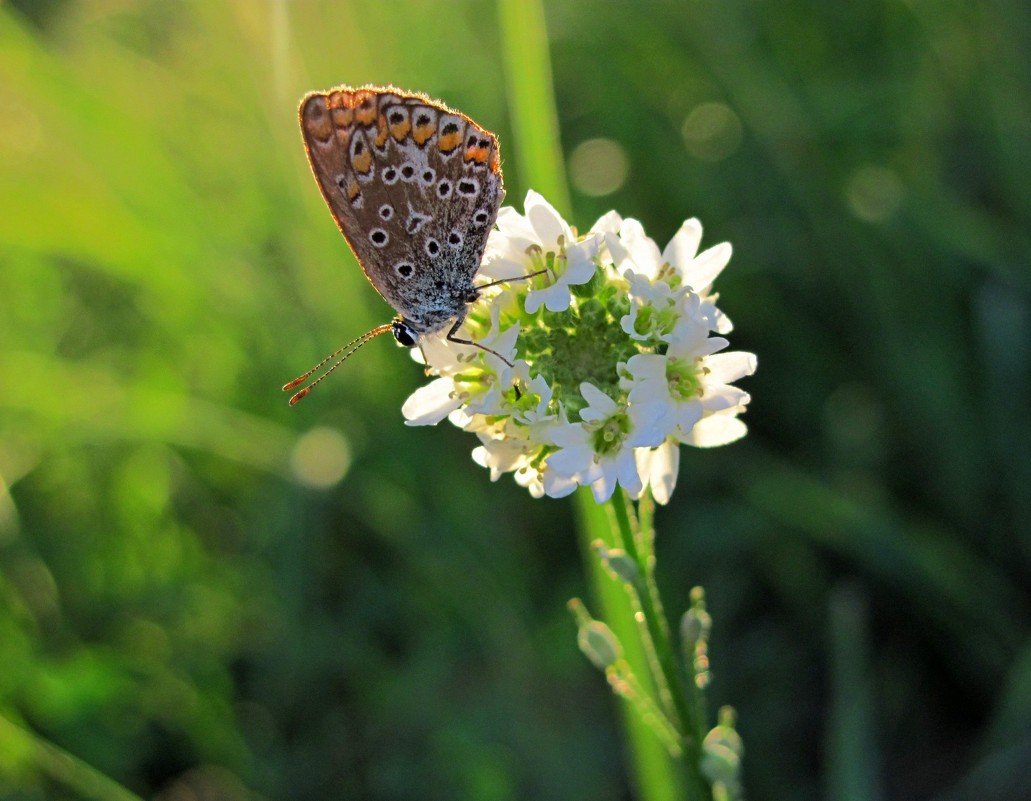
column 206, row 594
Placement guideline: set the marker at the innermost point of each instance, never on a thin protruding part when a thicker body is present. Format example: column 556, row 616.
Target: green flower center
column 609, row 435
column 684, row 377
column 583, row 343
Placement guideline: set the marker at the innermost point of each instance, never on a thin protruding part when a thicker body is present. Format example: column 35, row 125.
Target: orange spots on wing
column 365, row 112
column 399, row 130
column 362, row 162
column 421, row 133
column 382, row 132
column 342, row 117
column 477, row 154
column 316, row 119
column 449, row 141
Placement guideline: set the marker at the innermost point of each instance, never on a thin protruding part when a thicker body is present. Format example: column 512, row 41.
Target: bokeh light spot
column 321, row 458
column 712, row 131
column 598, row 167
column 874, row 193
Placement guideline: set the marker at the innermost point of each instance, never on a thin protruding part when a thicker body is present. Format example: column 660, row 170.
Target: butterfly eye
column 404, row 334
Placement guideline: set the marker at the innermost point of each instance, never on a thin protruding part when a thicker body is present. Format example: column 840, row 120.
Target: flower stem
column 637, row 540
column 656, row 776
column 531, row 97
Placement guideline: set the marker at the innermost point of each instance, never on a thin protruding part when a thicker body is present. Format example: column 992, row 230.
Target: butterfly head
column 404, row 333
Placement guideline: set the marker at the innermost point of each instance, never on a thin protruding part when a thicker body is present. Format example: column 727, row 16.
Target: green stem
column 36, row 755
column 531, row 99
column 655, row 631
column 695, row 720
column 534, row 119
column 670, row 683
column 656, row 776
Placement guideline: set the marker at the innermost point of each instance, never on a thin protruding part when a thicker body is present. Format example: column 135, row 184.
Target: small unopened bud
column 694, row 626
column 599, row 644
column 720, row 764
column 623, row 566
column 723, row 750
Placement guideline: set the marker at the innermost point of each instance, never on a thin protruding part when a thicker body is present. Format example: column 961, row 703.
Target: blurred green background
column 207, row 595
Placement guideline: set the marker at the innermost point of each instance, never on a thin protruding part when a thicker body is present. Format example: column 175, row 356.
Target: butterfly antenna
column 350, row 347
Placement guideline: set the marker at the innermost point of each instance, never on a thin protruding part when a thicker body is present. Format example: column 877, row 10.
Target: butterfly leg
column 526, row 277
column 452, row 338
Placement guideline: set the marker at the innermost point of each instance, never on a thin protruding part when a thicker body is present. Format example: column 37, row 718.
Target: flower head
column 611, row 358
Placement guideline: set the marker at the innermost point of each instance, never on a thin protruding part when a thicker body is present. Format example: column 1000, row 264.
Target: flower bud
column 599, row 644
column 623, row 566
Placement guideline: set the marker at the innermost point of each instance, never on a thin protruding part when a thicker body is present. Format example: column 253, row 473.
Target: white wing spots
column 379, row 237
column 432, row 247
column 390, row 175
column 468, row 187
column 405, row 269
column 428, row 177
column 454, row 239
column 386, row 211
column 416, row 221
column 444, row 189
column 481, row 217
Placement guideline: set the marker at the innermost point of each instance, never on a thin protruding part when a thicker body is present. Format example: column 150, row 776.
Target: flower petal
column 683, row 247
column 728, row 367
column 547, row 223
column 717, row 429
column 700, row 274
column 431, row 403
column 597, row 401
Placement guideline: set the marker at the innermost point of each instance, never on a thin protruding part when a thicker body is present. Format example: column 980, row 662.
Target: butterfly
column 414, row 187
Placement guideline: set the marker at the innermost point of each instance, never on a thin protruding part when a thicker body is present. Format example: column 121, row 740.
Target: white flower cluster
column 615, row 357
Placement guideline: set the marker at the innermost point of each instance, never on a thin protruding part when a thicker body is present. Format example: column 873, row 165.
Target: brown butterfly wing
column 415, row 189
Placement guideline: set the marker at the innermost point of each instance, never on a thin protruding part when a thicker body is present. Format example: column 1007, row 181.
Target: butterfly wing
column 414, row 187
